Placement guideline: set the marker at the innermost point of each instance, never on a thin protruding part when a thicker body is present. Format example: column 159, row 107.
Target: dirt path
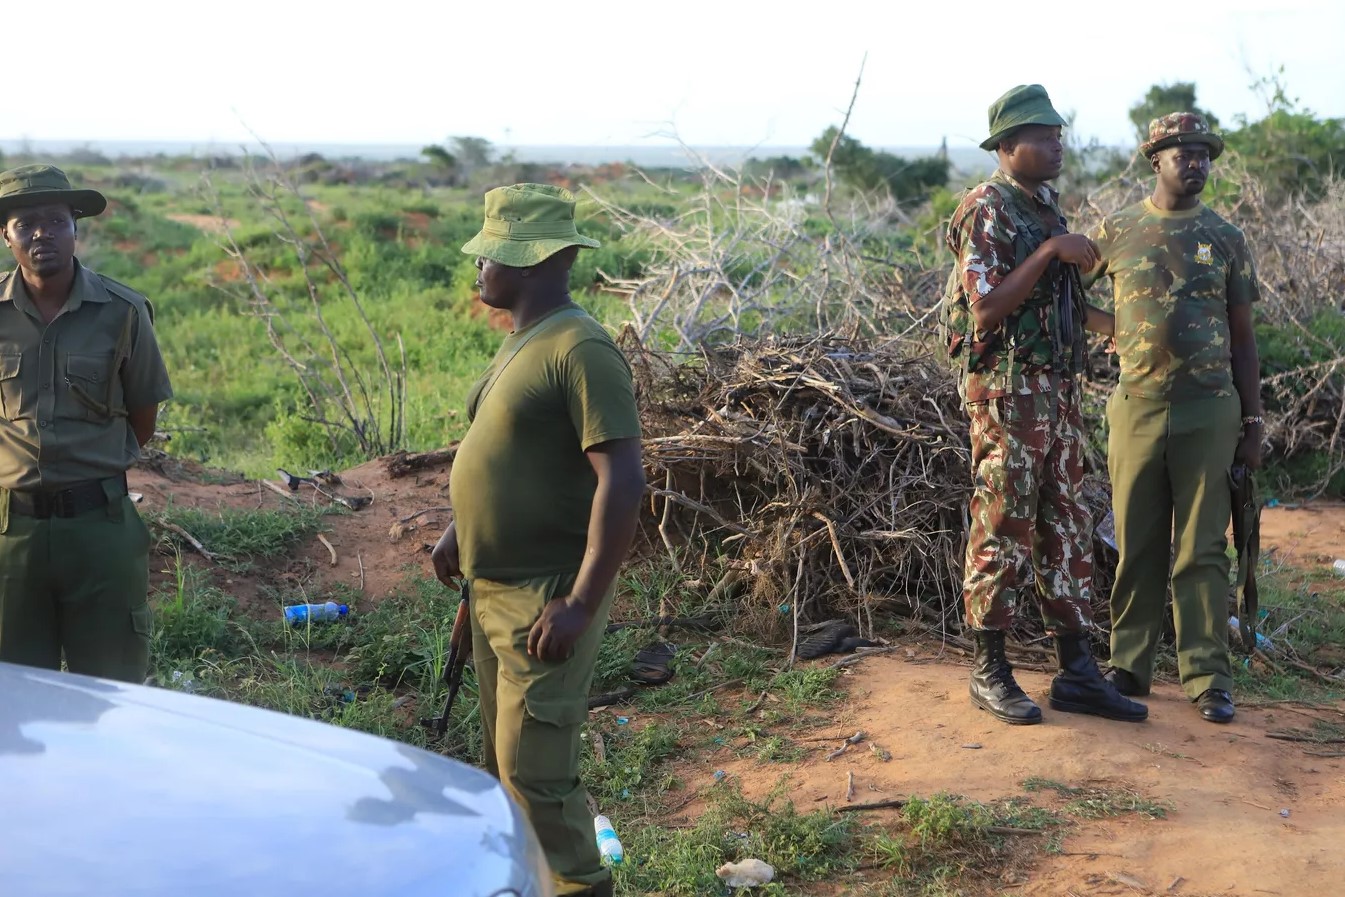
column 1226, row 785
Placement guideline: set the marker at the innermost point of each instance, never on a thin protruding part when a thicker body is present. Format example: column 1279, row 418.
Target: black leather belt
column 68, row 502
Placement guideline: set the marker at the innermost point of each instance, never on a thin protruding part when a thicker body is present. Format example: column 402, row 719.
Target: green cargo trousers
column 1169, row 465
column 531, row 715
column 77, row 585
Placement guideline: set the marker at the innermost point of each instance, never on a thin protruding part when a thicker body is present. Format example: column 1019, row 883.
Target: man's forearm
column 611, row 529
column 142, row 421
column 1099, row 321
column 1247, row 377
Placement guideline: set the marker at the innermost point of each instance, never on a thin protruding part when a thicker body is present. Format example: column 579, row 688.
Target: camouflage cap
column 1181, row 127
column 1026, row 104
column 37, row 185
column 526, row 224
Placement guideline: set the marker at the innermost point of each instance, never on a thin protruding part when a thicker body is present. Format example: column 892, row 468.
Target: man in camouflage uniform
column 81, row 379
column 1188, row 405
column 1016, row 319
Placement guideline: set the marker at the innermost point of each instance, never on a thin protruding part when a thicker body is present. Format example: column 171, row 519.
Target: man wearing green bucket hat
column 1013, row 317
column 545, row 489
column 81, row 379
column 1186, row 410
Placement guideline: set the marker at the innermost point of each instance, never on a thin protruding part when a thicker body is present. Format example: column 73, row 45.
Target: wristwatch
column 1253, row 419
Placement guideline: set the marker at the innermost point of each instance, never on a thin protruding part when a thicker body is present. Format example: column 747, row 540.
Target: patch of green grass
column 405, row 639
column 1303, row 623
column 1089, row 802
column 772, row 748
column 191, row 618
column 942, row 843
column 803, row 847
column 239, row 538
column 633, row 763
column 801, row 689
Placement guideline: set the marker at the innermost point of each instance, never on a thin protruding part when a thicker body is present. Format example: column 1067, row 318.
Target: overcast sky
column 718, row 72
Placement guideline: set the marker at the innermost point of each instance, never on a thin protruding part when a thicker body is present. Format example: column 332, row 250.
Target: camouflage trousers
column 1029, row 524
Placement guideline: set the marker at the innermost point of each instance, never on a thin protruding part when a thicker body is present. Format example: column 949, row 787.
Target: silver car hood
column 110, row 789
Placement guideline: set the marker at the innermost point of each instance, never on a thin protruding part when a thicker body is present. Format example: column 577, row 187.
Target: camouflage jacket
column 996, row 227
column 1174, row 277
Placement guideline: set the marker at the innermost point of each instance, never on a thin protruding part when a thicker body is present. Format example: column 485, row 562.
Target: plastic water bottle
column 315, row 613
column 608, row 845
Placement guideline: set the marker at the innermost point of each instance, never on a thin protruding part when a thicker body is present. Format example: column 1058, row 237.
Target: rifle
column 1072, row 314
column 1247, row 543
column 459, row 649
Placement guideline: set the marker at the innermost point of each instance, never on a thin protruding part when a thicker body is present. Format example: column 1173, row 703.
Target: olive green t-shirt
column 66, row 387
column 521, row 486
column 1175, row 275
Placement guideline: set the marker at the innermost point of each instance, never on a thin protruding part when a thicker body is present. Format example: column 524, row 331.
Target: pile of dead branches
column 833, row 474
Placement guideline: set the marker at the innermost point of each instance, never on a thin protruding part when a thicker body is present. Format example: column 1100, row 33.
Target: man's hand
column 1249, row 447
column 1075, row 249
column 562, row 623
column 445, row 557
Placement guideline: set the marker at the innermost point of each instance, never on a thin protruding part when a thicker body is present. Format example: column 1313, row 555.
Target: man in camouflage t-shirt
column 1188, row 405
column 1015, row 325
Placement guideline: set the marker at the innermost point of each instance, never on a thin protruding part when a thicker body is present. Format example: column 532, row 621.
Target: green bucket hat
column 526, row 224
column 38, row 185
column 1181, row 127
column 1026, row 104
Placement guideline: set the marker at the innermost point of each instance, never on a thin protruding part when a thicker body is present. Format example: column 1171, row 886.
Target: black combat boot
column 1080, row 688
column 992, row 684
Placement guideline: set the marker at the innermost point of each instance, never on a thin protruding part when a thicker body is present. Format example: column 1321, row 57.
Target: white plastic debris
column 746, row 874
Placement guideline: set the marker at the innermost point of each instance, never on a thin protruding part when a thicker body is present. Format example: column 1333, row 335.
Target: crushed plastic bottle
column 1106, row 529
column 184, row 681
column 315, row 613
column 1339, row 567
column 608, row 844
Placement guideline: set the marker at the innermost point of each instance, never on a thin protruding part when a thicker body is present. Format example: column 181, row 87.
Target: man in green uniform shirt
column 1188, row 405
column 81, row 379
column 545, row 489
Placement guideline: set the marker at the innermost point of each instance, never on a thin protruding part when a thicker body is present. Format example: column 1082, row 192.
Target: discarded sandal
column 652, row 665
column 831, row 637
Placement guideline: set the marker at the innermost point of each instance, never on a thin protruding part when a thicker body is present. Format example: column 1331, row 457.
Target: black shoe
column 1080, row 688
column 1125, row 682
column 1216, row 705
column 992, row 684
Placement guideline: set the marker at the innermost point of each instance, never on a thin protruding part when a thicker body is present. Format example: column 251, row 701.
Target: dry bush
column 802, row 427
column 742, row 257
column 834, row 473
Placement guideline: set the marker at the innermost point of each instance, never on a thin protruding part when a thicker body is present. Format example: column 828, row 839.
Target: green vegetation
column 1163, row 99
column 238, row 539
column 1094, row 802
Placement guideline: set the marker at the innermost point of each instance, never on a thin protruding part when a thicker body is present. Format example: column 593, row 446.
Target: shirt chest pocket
column 92, row 390
column 11, row 392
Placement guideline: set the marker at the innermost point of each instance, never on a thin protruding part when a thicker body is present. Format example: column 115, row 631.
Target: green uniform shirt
column 521, row 487
column 65, row 387
column 1175, row 275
